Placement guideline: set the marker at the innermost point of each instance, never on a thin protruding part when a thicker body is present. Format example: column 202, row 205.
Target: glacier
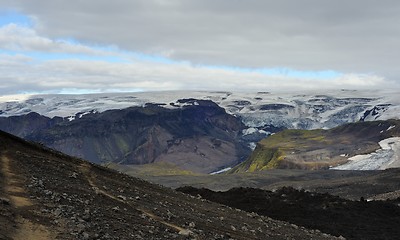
column 386, row 157
column 299, row 110
column 264, row 113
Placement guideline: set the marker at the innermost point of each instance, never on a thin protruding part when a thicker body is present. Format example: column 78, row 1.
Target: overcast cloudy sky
column 78, row 46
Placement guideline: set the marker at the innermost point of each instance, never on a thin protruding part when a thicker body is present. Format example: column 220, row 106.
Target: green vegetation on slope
column 270, row 151
column 318, row 149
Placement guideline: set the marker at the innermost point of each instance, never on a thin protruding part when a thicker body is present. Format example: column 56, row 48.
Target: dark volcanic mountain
column 48, row 195
column 200, row 136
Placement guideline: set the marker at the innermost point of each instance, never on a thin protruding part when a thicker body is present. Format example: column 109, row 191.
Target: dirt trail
column 15, row 192
column 85, row 169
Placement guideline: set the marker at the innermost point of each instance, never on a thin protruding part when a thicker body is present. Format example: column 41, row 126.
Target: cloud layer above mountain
column 187, row 44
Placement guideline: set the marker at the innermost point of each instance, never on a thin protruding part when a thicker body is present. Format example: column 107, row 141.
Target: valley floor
column 346, row 184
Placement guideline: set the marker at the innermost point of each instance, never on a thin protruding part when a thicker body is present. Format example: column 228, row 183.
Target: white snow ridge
column 299, row 110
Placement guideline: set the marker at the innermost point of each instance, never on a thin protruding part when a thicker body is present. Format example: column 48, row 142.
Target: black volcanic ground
column 331, row 214
column 48, row 195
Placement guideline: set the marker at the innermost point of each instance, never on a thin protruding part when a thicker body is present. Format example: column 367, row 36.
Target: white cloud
column 347, row 36
column 357, row 38
column 54, row 75
column 21, row 38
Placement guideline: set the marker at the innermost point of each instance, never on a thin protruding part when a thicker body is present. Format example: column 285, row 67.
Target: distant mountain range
column 261, row 112
column 196, row 131
column 48, row 195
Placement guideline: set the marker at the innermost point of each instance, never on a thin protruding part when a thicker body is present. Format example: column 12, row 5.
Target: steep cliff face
column 25, row 125
column 199, row 136
column 323, row 149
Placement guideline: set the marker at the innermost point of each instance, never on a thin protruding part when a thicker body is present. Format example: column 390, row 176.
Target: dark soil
column 330, row 214
column 47, row 195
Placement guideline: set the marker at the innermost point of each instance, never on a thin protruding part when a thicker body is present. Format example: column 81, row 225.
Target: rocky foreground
column 48, row 195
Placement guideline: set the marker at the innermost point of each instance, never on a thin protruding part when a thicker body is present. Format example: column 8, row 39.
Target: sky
column 90, row 46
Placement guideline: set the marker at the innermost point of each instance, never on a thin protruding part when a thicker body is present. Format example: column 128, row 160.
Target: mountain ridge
column 306, row 109
column 200, row 136
column 259, row 115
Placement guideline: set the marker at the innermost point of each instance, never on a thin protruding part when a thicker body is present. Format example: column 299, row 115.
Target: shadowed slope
column 79, row 200
column 199, row 137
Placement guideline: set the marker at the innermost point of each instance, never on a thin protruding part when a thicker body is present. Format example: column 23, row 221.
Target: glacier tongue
column 386, row 157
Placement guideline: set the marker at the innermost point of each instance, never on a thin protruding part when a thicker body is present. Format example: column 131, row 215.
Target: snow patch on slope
column 386, row 157
column 390, row 128
column 221, row 171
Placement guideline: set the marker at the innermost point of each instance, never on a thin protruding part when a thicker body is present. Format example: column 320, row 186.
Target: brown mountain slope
column 318, row 149
column 48, row 195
